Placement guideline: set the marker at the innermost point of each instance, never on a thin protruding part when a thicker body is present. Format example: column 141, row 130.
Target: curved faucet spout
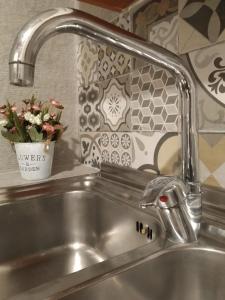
column 67, row 20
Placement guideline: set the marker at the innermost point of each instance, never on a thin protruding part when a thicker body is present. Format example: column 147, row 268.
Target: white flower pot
column 35, row 159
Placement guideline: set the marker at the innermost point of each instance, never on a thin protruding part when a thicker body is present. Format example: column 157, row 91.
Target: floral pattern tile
column 89, row 115
column 114, row 104
column 165, row 33
column 117, row 148
column 208, row 65
column 154, row 100
column 148, row 15
column 90, row 149
column 87, row 62
column 201, row 23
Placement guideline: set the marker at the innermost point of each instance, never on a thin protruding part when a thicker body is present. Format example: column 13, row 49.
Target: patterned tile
column 201, row 23
column 212, row 166
column 153, row 100
column 114, row 104
column 90, row 149
column 112, row 63
column 87, row 62
column 89, row 108
column 123, row 20
column 165, row 33
column 147, row 16
column 208, row 65
column 117, row 148
column 156, row 152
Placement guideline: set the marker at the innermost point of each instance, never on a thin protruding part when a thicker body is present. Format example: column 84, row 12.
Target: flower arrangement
column 36, row 122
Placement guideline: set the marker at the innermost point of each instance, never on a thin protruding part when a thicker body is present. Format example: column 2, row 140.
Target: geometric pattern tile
column 90, row 149
column 116, row 148
column 114, row 97
column 112, row 63
column 211, row 152
column 207, row 17
column 87, row 62
column 89, row 115
column 154, row 100
column 123, row 20
column 201, row 23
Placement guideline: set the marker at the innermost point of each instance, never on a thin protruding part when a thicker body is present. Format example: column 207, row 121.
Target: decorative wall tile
column 208, row 65
column 203, row 19
column 112, row 63
column 89, row 115
column 156, row 152
column 148, row 15
column 153, row 100
column 165, row 33
column 90, row 149
column 87, row 62
column 123, row 20
column 117, row 148
column 114, row 104
column 212, row 166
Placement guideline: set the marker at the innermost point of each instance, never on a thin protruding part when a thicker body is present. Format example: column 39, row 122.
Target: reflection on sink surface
column 46, row 238
column 186, row 273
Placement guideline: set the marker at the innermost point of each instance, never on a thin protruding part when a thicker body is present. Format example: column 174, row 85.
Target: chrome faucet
column 67, row 20
column 176, row 207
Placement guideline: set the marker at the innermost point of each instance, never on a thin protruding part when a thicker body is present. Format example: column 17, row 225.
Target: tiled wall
column 129, row 110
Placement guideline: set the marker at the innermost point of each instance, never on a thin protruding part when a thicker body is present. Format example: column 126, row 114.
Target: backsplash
column 129, row 109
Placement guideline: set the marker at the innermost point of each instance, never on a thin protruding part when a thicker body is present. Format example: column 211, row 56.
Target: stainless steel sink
column 185, row 273
column 78, row 239
column 45, row 238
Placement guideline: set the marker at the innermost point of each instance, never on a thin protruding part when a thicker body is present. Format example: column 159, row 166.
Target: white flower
column 37, row 120
column 46, row 117
column 32, row 119
column 27, row 116
column 3, row 122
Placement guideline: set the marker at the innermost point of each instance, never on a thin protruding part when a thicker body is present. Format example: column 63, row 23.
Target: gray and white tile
column 154, row 100
column 117, row 148
column 208, row 65
column 91, row 149
column 87, row 62
column 112, row 63
column 201, row 23
column 165, row 33
column 115, row 104
column 89, row 115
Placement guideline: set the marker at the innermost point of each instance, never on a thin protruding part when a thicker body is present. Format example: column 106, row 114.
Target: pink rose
column 48, row 128
column 56, row 103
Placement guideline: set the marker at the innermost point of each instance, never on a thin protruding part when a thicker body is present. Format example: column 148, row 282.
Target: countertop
column 14, row 179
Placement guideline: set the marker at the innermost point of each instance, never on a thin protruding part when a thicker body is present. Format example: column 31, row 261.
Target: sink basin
column 184, row 273
column 45, row 238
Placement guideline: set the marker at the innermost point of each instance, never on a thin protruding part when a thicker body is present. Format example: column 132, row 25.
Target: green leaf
column 12, row 137
column 20, row 129
column 58, row 117
column 35, row 135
